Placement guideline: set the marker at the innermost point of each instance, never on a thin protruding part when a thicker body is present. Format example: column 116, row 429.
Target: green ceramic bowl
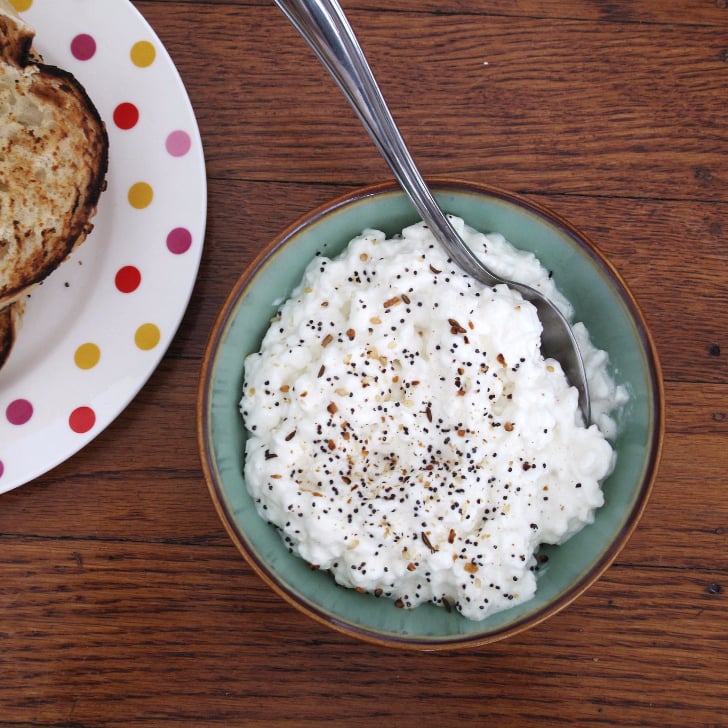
column 601, row 300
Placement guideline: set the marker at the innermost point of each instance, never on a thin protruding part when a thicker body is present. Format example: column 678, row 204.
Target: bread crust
column 8, row 323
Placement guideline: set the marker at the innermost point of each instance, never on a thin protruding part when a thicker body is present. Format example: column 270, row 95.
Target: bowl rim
column 581, row 585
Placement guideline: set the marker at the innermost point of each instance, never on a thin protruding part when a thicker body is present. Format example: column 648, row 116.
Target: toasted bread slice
column 53, row 162
column 16, row 36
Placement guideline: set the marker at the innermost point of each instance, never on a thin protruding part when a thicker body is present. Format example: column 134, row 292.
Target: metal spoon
column 324, row 26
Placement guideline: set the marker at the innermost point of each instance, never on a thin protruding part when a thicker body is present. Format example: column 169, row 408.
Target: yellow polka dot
column 143, row 54
column 140, row 195
column 87, row 356
column 147, row 336
column 21, row 5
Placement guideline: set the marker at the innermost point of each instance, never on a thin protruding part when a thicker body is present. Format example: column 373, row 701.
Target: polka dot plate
column 96, row 329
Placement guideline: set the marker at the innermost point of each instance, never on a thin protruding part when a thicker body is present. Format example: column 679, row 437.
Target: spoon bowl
column 324, row 26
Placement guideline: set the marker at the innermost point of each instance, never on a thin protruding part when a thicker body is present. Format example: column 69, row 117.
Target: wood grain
column 576, row 107
column 123, row 601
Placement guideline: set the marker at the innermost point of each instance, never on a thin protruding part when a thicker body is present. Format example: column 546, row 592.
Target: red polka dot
column 19, row 412
column 83, row 47
column 179, row 240
column 82, row 419
column 128, row 279
column 126, row 115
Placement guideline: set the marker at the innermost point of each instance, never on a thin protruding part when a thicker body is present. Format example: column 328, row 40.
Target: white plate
column 97, row 328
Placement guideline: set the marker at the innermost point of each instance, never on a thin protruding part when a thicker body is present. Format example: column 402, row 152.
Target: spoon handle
column 324, row 26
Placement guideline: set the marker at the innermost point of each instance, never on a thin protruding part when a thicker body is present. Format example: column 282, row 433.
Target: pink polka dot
column 179, row 240
column 178, row 143
column 82, row 419
column 2, row 468
column 126, row 115
column 19, row 412
column 83, row 47
column 128, row 279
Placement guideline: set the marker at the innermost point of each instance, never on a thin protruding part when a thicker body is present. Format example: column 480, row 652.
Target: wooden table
column 122, row 600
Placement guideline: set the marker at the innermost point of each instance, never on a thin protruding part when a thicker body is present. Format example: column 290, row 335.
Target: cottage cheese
column 405, row 433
